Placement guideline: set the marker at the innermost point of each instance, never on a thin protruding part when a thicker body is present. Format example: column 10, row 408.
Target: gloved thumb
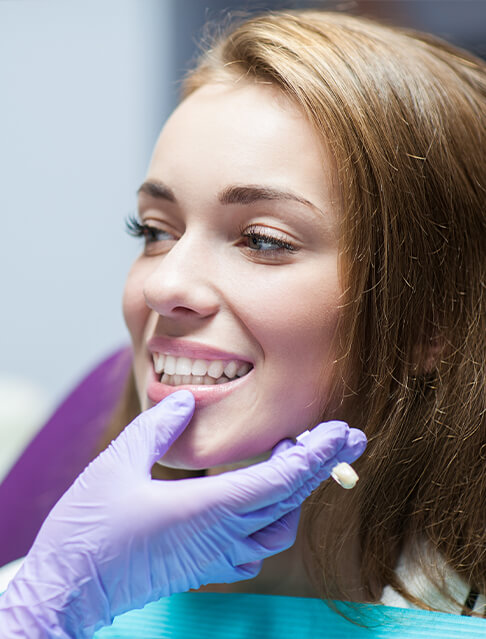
column 282, row 445
column 151, row 433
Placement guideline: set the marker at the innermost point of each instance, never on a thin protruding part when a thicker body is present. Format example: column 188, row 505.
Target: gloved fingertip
column 182, row 399
column 355, row 445
column 283, row 445
column 356, row 441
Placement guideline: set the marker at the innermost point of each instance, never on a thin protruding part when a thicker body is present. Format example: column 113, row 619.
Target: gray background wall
column 83, row 95
column 82, row 86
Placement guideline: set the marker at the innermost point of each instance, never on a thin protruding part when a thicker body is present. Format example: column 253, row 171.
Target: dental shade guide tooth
column 345, row 475
column 342, row 473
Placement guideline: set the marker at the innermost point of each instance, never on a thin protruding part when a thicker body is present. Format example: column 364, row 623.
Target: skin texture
column 202, row 280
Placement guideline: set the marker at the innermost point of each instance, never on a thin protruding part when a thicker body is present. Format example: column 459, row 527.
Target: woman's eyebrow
column 157, row 189
column 234, row 194
column 247, row 194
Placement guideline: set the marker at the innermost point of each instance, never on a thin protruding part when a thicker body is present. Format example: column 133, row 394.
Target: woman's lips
column 188, row 348
column 204, row 395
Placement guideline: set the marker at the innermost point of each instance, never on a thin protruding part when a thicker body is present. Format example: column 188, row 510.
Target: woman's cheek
column 135, row 310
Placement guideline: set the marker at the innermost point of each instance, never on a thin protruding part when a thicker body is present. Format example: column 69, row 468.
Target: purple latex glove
column 118, row 539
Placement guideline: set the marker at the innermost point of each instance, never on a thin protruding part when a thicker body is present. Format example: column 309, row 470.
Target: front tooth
column 183, row 366
column 215, row 368
column 197, row 379
column 230, row 369
column 159, row 362
column 243, row 369
column 177, row 380
column 170, row 365
column 199, row 367
column 186, row 379
column 208, row 381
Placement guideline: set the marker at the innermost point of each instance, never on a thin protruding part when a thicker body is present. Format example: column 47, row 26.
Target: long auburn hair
column 404, row 115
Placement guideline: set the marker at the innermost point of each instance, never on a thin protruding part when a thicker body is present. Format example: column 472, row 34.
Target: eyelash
column 136, row 229
column 252, row 233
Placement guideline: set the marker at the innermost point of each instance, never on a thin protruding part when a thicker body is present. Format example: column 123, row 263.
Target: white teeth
column 170, row 365
column 230, row 369
column 183, row 366
column 159, row 360
column 184, row 370
column 215, row 368
column 194, row 380
column 199, row 367
column 243, row 369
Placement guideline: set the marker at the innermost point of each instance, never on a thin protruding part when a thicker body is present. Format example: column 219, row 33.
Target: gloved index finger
column 284, row 473
column 151, row 433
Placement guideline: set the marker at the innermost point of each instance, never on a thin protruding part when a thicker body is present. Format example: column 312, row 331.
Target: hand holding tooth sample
column 118, row 539
column 342, row 472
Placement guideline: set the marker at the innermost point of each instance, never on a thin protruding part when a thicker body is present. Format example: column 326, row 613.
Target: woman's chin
column 183, row 456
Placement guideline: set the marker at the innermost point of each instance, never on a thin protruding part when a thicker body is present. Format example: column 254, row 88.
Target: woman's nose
column 182, row 282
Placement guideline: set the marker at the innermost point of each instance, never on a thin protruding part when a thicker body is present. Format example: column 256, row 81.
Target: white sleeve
column 8, row 572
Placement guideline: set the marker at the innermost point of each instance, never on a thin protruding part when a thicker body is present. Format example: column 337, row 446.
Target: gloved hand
column 118, row 539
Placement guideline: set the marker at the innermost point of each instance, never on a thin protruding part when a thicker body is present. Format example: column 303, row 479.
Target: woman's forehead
column 227, row 134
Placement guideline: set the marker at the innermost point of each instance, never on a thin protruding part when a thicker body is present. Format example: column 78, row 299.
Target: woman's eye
column 263, row 242
column 151, row 234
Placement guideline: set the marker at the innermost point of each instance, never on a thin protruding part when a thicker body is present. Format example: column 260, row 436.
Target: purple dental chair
column 57, row 454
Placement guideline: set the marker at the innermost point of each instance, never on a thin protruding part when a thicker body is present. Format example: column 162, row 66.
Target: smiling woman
column 238, row 266
column 315, row 207
column 314, row 234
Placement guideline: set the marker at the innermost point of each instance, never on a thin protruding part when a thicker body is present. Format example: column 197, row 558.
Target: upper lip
column 193, row 350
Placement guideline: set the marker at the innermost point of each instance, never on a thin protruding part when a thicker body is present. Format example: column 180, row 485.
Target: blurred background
column 86, row 86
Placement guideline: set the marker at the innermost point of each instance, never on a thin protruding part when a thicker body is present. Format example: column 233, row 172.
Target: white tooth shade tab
column 175, row 370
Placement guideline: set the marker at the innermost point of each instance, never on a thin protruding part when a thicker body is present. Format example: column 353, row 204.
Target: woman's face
column 238, row 279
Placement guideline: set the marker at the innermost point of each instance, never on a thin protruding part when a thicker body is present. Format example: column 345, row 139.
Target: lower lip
column 204, row 395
